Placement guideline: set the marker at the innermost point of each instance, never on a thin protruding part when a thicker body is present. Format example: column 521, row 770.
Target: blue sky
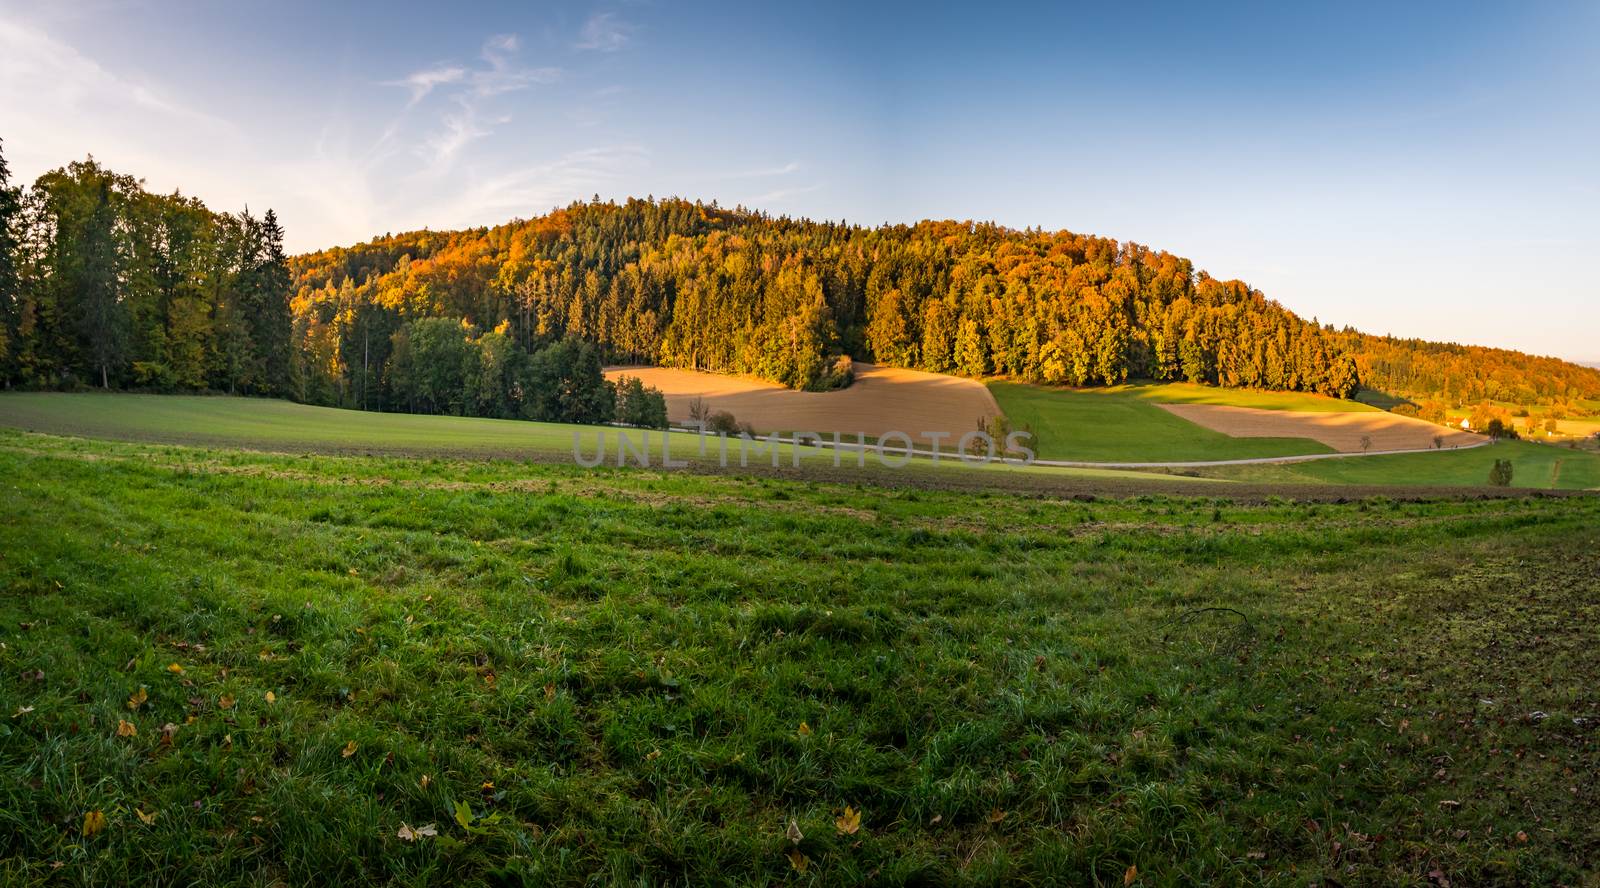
column 1421, row 169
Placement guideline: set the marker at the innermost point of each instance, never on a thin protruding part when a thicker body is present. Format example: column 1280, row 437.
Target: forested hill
column 102, row 283
column 684, row 284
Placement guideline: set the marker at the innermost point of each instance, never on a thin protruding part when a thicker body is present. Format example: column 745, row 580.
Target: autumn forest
column 105, row 284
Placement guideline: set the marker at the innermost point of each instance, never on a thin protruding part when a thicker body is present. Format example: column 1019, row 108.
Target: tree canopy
column 103, row 283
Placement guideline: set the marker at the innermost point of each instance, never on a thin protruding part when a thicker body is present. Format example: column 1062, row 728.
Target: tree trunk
column 103, row 383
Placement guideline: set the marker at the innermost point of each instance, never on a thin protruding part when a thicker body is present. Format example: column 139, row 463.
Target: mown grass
column 273, row 425
column 663, row 678
column 1123, row 423
column 1538, row 466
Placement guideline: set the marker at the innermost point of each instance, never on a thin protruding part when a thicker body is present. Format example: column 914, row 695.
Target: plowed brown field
column 882, row 400
column 1341, row 431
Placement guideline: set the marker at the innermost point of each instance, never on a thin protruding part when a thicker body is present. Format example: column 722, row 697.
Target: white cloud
column 604, row 32
column 60, row 105
column 767, row 172
column 781, row 194
column 426, row 156
column 467, row 89
column 422, row 82
column 535, row 189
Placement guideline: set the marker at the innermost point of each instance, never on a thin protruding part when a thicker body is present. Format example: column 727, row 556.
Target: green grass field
column 1540, row 466
column 261, row 669
column 272, row 425
column 1123, row 423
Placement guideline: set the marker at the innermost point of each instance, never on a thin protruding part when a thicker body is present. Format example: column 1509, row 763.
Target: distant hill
column 689, row 285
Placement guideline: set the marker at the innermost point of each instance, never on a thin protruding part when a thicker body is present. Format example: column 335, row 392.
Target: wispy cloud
column 766, row 172
column 36, row 69
column 782, row 194
column 535, row 189
column 467, row 89
column 60, row 104
column 604, row 32
column 422, row 82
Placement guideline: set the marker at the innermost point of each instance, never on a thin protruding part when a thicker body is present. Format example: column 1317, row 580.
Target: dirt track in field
column 1341, row 431
column 882, row 400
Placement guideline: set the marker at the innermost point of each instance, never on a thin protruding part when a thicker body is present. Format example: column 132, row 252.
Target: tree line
column 103, row 283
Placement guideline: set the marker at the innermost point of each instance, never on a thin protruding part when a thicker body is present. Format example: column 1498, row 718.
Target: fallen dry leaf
column 93, row 822
column 804, row 730
column 793, row 832
column 225, row 701
column 411, row 834
column 349, row 749
column 798, row 861
column 849, row 822
column 175, row 669
column 126, row 729
column 1131, row 875
column 146, row 819
column 997, row 815
column 426, row 781
column 271, row 698
column 652, row 755
column 137, row 698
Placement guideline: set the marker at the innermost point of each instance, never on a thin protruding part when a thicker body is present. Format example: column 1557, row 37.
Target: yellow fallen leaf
column 426, row 781
column 225, row 701
column 126, row 729
column 1131, row 876
column 804, row 730
column 271, row 698
column 349, row 749
column 146, row 819
column 849, row 822
column 798, row 861
column 93, row 822
column 996, row 815
column 137, row 698
column 652, row 755
column 175, row 669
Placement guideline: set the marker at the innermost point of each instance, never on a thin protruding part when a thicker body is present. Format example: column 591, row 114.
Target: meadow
column 1540, row 466
column 243, row 668
column 1123, row 423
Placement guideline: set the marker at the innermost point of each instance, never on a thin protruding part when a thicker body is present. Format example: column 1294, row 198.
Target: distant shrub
column 1500, row 474
column 722, row 422
column 839, row 373
column 639, row 404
